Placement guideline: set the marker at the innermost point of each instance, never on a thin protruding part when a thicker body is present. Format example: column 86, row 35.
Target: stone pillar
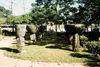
column 33, row 29
column 33, row 37
column 20, row 30
column 76, row 42
column 74, row 31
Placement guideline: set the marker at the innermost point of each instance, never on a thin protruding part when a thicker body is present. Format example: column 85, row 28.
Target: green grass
column 1, row 37
column 2, row 20
column 51, row 54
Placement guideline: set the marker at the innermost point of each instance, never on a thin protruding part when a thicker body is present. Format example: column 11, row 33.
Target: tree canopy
column 4, row 12
column 62, row 11
column 72, row 11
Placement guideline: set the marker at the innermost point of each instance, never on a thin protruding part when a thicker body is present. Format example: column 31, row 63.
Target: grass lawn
column 49, row 53
column 1, row 36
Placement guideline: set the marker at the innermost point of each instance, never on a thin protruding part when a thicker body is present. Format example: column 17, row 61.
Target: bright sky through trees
column 18, row 8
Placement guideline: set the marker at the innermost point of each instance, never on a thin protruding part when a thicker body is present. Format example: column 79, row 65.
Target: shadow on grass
column 92, row 58
column 93, row 64
column 13, row 43
column 58, row 47
column 94, row 61
column 53, row 47
column 9, row 49
column 39, row 43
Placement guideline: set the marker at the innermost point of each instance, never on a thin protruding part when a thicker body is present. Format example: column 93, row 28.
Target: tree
column 38, row 15
column 26, row 19
column 4, row 12
column 13, row 20
column 7, row 13
column 65, row 11
column 58, row 11
column 2, row 20
column 51, row 8
column 2, row 9
column 1, row 14
column 92, row 11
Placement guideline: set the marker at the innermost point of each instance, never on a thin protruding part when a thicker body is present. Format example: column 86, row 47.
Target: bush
column 93, row 47
column 49, row 36
column 83, row 39
column 27, row 36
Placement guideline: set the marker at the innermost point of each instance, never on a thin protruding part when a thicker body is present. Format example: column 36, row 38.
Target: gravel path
column 10, row 62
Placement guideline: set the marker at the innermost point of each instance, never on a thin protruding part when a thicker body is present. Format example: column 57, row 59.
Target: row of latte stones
column 21, row 30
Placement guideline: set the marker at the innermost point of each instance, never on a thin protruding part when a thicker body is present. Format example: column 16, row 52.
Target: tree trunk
column 76, row 42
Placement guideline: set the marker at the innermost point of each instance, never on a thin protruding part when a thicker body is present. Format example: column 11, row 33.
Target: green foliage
column 10, row 19
column 45, row 3
column 61, row 11
column 2, row 20
column 38, row 16
column 64, row 11
column 7, row 13
column 13, row 19
column 43, row 15
column 50, row 13
column 83, row 40
column 27, row 36
column 17, row 20
column 90, row 11
column 93, row 47
column 4, row 12
column 1, row 15
column 26, row 19
column 49, row 36
column 2, row 9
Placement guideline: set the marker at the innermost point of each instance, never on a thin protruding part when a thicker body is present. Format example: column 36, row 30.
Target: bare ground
column 10, row 62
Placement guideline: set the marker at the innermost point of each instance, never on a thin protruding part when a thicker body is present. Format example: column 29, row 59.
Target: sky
column 18, row 8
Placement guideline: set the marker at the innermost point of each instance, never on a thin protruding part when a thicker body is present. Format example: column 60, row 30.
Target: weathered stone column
column 76, row 42
column 20, row 30
column 33, row 29
column 33, row 37
column 74, row 31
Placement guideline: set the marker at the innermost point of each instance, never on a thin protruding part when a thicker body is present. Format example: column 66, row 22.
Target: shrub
column 83, row 39
column 93, row 47
column 27, row 36
column 50, row 36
